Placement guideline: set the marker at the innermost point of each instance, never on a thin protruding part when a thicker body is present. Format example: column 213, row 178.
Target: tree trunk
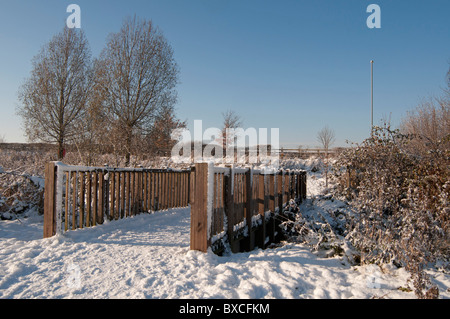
column 60, row 150
column 129, row 140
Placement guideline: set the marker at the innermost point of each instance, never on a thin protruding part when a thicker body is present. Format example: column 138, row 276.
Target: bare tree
column 137, row 75
column 326, row 138
column 230, row 121
column 159, row 139
column 53, row 99
column 429, row 125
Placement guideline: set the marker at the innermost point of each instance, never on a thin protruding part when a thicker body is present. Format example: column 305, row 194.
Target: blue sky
column 293, row 65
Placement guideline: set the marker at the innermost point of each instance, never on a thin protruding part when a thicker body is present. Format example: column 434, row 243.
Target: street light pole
column 371, row 93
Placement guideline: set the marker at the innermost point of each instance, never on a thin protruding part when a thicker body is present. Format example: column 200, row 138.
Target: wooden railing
column 230, row 207
column 78, row 197
column 238, row 207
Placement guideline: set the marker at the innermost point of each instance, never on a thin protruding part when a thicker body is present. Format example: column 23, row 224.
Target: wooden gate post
column 50, row 200
column 199, row 209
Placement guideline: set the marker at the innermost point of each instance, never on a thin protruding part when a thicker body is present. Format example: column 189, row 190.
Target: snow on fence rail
column 80, row 196
column 238, row 206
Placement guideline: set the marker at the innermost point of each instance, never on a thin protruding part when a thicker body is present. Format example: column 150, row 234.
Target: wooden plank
column 199, row 222
column 179, row 184
column 66, row 206
column 82, row 198
column 101, row 198
column 152, row 191
column 123, row 189
column 157, row 191
column 192, row 186
column 166, row 190
column 112, row 195
column 132, row 193
column 145, row 191
column 280, row 191
column 137, row 179
column 272, row 193
column 117, row 191
column 230, row 211
column 260, row 241
column 88, row 198
column 248, row 209
column 74, row 200
column 171, row 194
column 286, row 188
column 139, row 193
column 94, row 198
column 50, row 200
column 183, row 189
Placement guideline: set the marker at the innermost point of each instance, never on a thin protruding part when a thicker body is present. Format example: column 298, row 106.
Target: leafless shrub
column 402, row 200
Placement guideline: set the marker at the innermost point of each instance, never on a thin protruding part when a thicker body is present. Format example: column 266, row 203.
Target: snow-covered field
column 148, row 256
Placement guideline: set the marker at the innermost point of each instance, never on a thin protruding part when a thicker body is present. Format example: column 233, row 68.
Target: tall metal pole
column 371, row 96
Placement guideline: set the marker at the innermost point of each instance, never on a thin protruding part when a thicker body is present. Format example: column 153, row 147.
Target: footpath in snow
column 148, row 256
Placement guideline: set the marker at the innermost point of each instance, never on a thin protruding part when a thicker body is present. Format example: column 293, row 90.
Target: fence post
column 199, row 208
column 50, row 200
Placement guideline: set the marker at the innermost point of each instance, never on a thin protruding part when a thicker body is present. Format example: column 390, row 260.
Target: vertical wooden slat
column 248, row 209
column 166, row 190
column 118, row 198
column 82, row 198
column 88, row 198
column 127, row 194
column 170, row 195
column 229, row 208
column 157, row 191
column 162, row 192
column 152, row 191
column 132, row 193
column 66, row 206
column 280, row 191
column 112, row 195
column 94, row 198
column 177, row 189
column 74, row 200
column 191, row 186
column 139, row 193
column 263, row 234
column 286, row 188
column 122, row 194
column 272, row 193
column 50, row 200
column 101, row 198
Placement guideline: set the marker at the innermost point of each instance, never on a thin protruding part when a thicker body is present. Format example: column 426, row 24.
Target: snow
column 148, row 256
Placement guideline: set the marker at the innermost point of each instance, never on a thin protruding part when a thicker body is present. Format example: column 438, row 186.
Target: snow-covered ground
column 148, row 256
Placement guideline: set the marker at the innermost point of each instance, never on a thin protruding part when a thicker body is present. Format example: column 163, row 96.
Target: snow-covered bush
column 403, row 203
column 21, row 182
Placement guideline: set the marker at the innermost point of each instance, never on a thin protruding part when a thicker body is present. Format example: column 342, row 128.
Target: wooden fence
column 78, row 197
column 229, row 206
column 239, row 206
